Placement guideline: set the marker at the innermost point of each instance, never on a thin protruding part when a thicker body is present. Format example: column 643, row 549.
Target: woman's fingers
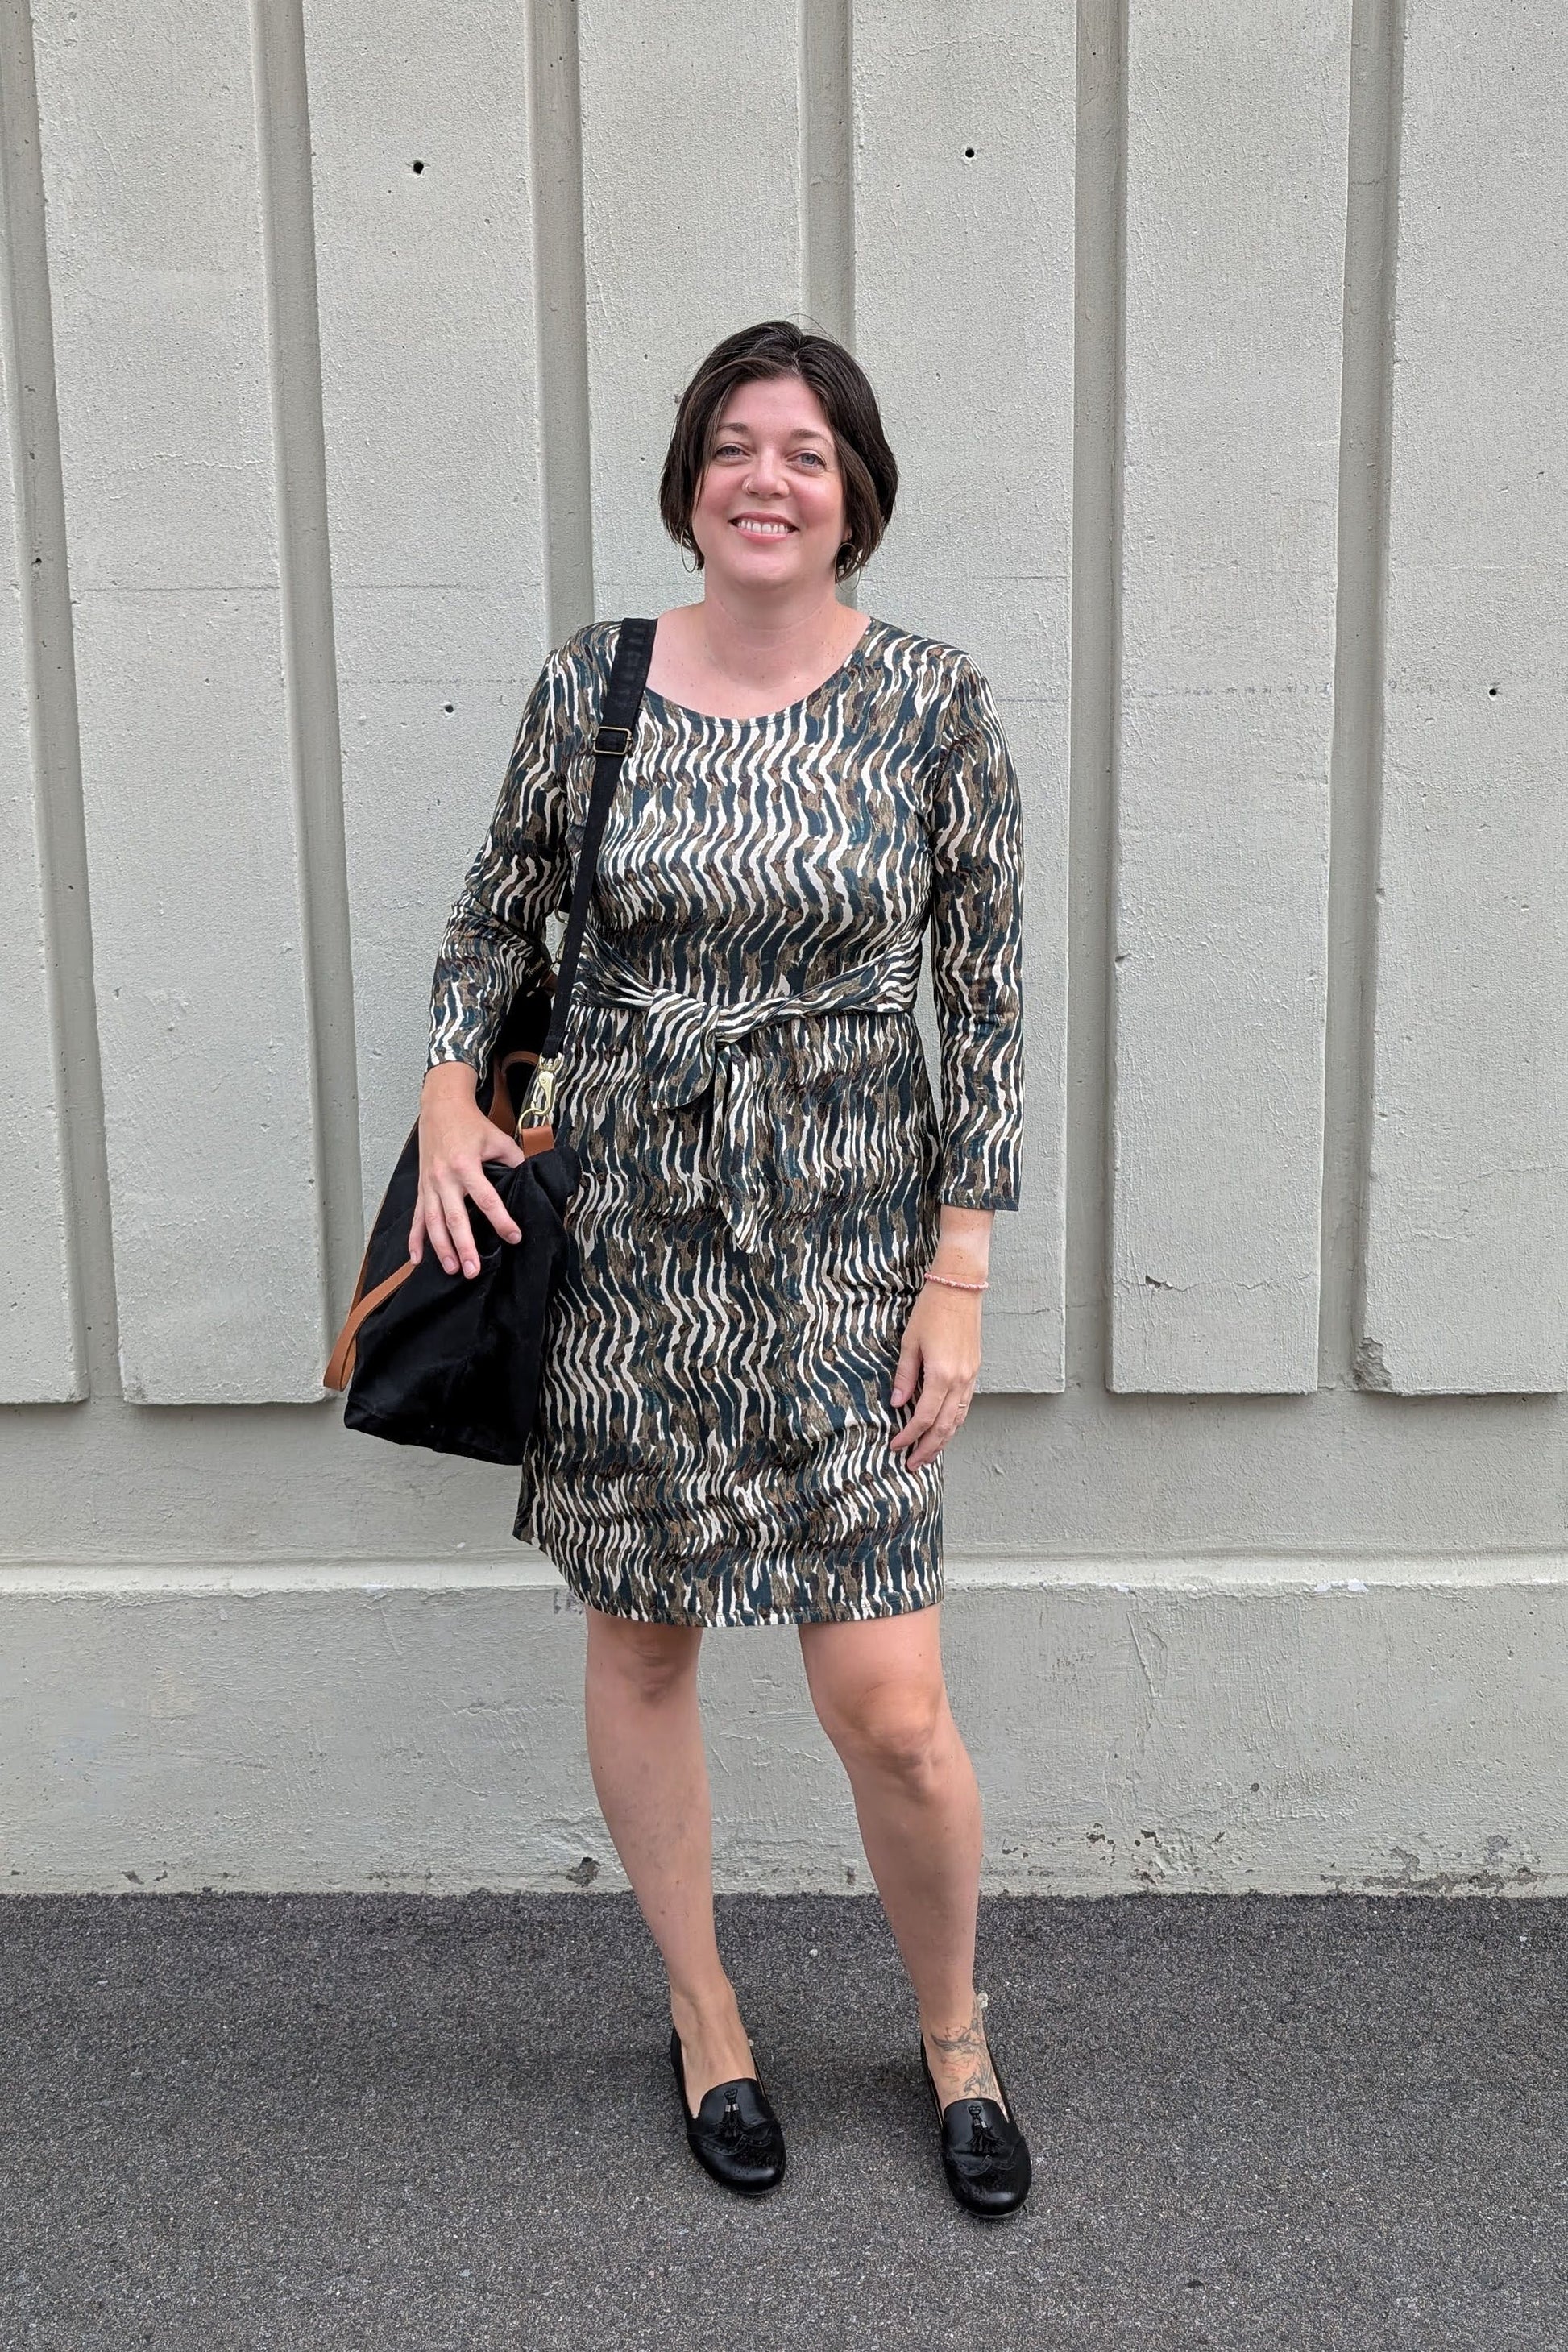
column 923, row 1413
column 941, row 1341
column 460, row 1233
column 945, row 1389
column 935, row 1417
column 927, row 1426
column 906, row 1375
column 940, row 1431
column 487, row 1198
column 455, row 1139
column 440, row 1239
column 453, row 1191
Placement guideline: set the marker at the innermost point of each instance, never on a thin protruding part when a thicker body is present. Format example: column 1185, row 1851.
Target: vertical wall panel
column 1466, row 1261
column 40, row 1360
column 691, row 183
column 157, row 272
column 429, row 380
column 963, row 310
column 1236, row 132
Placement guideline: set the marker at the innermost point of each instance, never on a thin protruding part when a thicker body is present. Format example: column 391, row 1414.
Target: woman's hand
column 455, row 1138
column 940, row 1349
column 941, row 1346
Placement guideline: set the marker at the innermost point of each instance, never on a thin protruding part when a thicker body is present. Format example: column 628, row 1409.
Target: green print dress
column 743, row 1079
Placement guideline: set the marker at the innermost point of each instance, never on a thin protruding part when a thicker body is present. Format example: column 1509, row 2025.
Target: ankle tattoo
column 966, row 2048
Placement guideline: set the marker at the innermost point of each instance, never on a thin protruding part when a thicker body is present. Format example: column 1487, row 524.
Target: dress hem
column 898, row 1601
column 899, row 1605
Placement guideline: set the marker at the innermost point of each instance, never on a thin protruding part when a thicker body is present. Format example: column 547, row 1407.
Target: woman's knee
column 878, row 1690
column 645, row 1663
column 898, row 1728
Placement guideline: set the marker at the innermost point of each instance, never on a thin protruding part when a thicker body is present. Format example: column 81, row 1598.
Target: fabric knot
column 684, row 1035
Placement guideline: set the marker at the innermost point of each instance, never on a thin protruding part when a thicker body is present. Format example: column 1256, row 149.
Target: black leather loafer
column 734, row 2134
column 983, row 2153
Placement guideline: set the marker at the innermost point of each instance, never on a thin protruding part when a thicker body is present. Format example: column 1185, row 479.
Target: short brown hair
column 778, row 348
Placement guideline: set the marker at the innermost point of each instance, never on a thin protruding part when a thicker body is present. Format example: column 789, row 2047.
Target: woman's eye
column 814, row 454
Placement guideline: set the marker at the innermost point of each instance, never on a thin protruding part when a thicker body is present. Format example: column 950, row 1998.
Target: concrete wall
column 1222, row 351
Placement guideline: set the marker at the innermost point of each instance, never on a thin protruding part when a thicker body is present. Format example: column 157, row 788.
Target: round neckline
column 756, row 717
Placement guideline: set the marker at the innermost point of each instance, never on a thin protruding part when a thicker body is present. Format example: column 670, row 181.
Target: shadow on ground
column 448, row 2124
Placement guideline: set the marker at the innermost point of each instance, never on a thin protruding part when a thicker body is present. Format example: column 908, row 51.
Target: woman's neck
column 717, row 650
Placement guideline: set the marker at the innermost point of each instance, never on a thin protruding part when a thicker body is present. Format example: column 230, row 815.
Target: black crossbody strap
column 611, row 741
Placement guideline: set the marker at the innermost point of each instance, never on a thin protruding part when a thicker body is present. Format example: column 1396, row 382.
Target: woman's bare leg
column 877, row 1688
column 650, row 1775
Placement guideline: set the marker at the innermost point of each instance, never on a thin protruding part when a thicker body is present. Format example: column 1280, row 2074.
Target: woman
column 782, row 1248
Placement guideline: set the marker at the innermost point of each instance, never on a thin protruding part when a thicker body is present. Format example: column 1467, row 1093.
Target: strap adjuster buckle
column 604, row 748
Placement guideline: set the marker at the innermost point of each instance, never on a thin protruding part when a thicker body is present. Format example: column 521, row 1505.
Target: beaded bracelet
column 954, row 1284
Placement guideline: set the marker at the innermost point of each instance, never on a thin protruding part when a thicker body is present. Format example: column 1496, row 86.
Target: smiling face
column 769, row 511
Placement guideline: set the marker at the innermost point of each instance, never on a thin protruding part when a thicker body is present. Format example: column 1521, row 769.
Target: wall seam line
column 1357, row 755
column 1094, row 686
column 55, row 743
column 557, row 210
column 825, row 99
column 307, row 636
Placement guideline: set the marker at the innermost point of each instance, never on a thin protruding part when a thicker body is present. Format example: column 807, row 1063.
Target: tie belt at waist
column 684, row 1032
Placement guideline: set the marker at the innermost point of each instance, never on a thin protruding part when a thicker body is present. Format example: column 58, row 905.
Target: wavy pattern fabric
column 743, row 1080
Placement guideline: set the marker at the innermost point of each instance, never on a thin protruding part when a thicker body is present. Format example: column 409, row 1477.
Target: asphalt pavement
column 448, row 2124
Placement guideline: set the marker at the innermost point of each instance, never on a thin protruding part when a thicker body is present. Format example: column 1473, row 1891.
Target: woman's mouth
column 754, row 527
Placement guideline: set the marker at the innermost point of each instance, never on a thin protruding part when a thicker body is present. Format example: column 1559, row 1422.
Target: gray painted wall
column 1222, row 352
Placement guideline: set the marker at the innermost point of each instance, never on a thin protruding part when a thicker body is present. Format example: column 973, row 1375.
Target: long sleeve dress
column 744, row 1083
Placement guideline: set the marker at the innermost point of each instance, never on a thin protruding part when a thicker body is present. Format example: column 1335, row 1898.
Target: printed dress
column 744, row 1082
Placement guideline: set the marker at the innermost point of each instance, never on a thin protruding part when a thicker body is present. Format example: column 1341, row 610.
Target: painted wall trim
column 1219, row 1724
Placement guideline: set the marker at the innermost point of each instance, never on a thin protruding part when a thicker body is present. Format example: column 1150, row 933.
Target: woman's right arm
column 494, row 944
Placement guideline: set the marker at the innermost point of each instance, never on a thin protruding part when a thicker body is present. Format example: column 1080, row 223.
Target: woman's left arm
column 977, row 904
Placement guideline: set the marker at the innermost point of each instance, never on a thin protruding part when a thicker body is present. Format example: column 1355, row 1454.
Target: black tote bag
column 452, row 1361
